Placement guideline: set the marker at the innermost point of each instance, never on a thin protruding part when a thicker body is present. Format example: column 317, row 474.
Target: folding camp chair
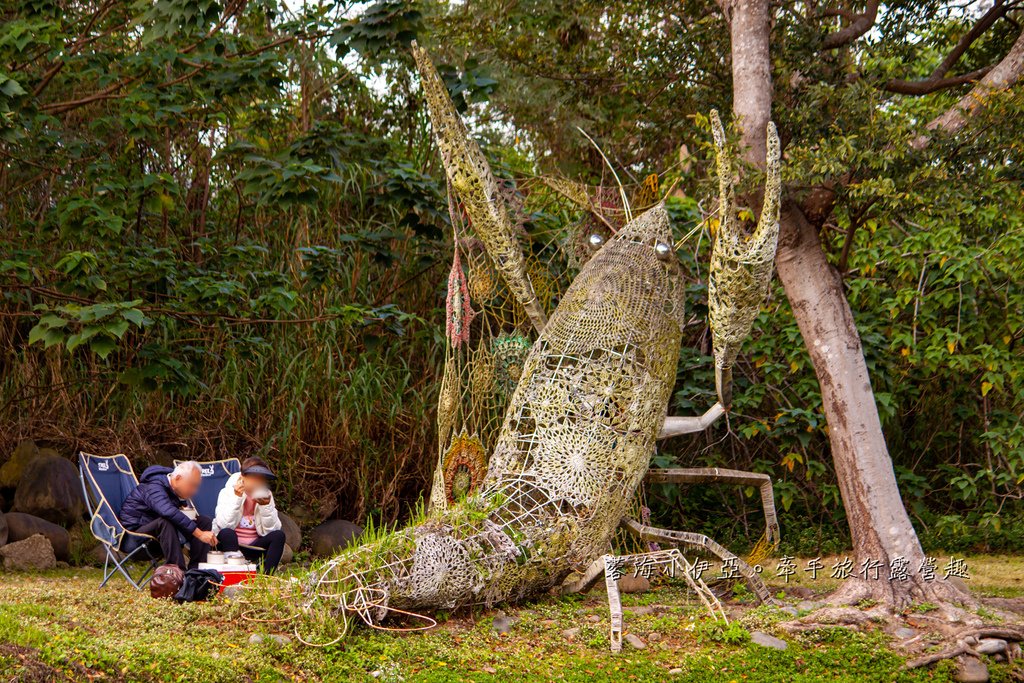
column 106, row 482
column 215, row 476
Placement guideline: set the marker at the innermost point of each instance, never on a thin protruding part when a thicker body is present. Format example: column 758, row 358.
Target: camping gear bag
column 199, row 584
column 167, row 581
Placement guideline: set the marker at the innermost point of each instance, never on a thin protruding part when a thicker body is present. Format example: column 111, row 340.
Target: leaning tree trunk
column 879, row 525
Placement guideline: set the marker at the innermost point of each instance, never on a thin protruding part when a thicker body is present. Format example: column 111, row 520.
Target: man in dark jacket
column 155, row 508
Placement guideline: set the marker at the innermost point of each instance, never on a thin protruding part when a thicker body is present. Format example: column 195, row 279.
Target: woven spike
column 470, row 176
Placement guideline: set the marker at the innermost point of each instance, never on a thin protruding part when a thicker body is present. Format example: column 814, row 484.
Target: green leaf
column 102, row 345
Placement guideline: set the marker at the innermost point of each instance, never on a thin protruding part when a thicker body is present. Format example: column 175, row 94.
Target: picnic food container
column 234, row 574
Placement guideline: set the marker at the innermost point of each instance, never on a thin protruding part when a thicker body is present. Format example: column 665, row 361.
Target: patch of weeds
column 741, row 593
column 921, row 607
column 763, row 618
column 718, row 631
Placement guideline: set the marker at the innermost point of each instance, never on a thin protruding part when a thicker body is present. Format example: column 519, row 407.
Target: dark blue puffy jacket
column 154, row 498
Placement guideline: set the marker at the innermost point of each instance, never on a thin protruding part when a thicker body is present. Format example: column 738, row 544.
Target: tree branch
column 997, row 10
column 1002, row 76
column 933, row 84
column 937, row 80
column 858, row 26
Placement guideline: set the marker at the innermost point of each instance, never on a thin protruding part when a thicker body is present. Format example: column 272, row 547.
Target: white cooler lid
column 229, row 568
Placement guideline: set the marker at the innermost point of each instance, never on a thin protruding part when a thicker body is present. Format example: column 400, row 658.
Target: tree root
column 952, row 619
column 964, row 646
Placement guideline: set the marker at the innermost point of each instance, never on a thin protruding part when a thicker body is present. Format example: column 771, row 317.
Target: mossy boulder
column 24, row 453
column 332, row 536
column 49, row 488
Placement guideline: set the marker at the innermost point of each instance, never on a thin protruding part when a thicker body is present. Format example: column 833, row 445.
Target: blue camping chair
column 215, row 476
column 106, row 482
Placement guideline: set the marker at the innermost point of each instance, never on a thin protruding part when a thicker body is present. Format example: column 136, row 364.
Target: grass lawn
column 59, row 626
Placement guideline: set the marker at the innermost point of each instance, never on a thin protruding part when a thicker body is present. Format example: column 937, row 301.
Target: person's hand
column 207, row 537
column 240, row 487
column 263, row 501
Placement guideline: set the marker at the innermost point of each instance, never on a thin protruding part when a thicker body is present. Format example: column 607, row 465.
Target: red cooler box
column 233, row 573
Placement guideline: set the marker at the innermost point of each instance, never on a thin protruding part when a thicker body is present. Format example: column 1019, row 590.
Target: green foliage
column 928, row 243
column 222, row 235
column 719, row 632
column 70, row 626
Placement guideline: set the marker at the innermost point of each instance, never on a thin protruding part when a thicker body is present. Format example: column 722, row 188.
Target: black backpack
column 199, row 584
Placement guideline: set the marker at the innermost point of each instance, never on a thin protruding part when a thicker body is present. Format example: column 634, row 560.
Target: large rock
column 21, row 526
column 3, row 529
column 287, row 555
column 10, row 473
column 764, row 640
column 292, row 532
column 50, row 488
column 333, row 535
column 33, row 553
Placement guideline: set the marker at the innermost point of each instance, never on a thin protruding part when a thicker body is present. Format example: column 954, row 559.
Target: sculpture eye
column 663, row 250
column 596, row 241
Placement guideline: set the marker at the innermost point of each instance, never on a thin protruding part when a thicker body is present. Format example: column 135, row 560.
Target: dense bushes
column 225, row 234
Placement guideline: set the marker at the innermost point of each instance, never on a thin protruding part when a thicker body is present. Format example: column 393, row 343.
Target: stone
column 31, row 554
column 790, row 610
column 287, row 555
column 904, row 632
column 807, row 605
column 10, row 473
column 231, row 592
column 3, row 529
column 653, row 637
column 332, row 536
column 21, row 526
column 256, row 638
column 990, row 646
column 571, row 633
column 635, row 641
column 593, row 618
column 972, row 671
column 281, row 640
column 97, row 555
column 640, row 610
column 764, row 640
column 50, row 489
column 675, row 672
column 634, row 584
column 503, row 623
column 292, row 532
column 310, row 515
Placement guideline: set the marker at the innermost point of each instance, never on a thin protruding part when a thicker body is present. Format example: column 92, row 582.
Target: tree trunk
column 879, row 525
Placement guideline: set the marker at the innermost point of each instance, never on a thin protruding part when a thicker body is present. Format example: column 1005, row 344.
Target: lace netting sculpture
column 741, row 269
column 583, row 406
